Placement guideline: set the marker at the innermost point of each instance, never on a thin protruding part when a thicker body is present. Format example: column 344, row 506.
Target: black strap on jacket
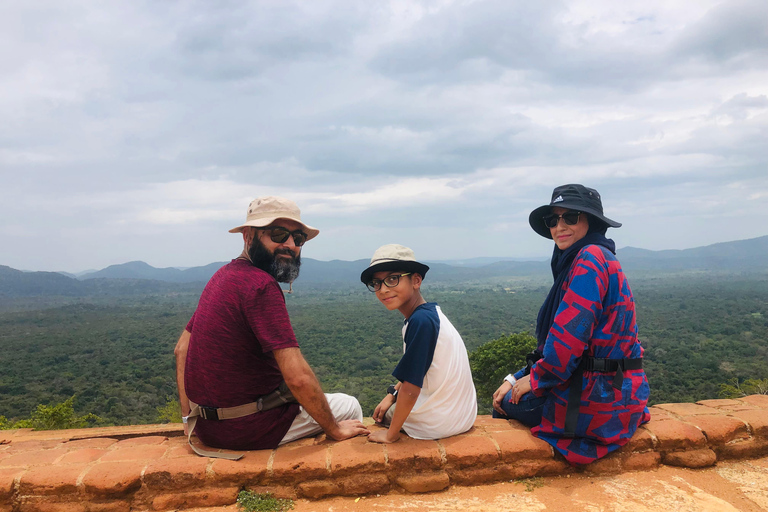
column 593, row 364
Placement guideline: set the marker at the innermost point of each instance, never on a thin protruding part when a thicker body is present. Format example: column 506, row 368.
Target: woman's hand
column 521, row 387
column 499, row 395
column 381, row 410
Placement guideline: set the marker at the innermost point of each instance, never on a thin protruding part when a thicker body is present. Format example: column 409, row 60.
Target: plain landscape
column 107, row 337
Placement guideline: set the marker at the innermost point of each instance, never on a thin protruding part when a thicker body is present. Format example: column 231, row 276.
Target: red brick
column 755, row 447
column 430, row 481
column 83, row 455
column 720, row 429
column 33, row 458
column 141, row 441
column 640, row 442
column 756, row 400
column 250, row 470
column 660, row 414
column 30, row 446
column 608, row 465
column 757, row 421
column 414, row 454
column 367, row 483
column 147, row 452
column 691, row 459
column 356, row 455
column 316, row 489
column 215, row 497
column 685, row 409
column 8, row 478
column 300, row 463
column 491, row 424
column 719, row 403
column 50, row 504
column 180, row 451
column 47, row 480
column 113, row 478
column 101, row 442
column 519, row 444
column 176, row 473
column 674, row 435
column 641, row 461
column 464, row 451
column 478, row 475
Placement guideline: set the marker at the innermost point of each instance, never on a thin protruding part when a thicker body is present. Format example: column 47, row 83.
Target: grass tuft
column 251, row 501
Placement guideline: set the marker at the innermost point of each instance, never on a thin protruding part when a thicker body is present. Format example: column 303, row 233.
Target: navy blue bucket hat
column 572, row 197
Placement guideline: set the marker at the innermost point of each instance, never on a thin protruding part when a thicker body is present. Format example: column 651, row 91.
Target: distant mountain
column 138, row 277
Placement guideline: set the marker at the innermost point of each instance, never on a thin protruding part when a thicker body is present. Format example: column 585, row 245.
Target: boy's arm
column 406, row 399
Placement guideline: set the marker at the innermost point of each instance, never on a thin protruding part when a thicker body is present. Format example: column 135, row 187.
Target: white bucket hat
column 263, row 211
column 393, row 257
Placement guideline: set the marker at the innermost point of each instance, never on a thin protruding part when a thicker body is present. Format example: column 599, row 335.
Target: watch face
column 391, row 390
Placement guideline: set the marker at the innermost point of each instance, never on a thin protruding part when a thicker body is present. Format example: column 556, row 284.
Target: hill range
column 742, row 256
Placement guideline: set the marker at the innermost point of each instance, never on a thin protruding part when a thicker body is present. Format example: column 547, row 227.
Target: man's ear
column 248, row 235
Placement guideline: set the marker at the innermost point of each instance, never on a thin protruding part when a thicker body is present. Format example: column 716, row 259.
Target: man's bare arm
column 303, row 383
column 181, row 359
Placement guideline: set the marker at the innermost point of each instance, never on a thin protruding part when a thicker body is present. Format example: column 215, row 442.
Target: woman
column 583, row 390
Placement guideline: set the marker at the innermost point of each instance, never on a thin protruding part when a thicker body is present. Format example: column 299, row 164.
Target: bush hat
column 265, row 210
column 393, row 257
column 572, row 197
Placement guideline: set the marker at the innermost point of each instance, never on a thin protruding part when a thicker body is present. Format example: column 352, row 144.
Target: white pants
column 343, row 407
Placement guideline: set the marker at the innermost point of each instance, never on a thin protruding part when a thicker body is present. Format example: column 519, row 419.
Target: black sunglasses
column 391, row 281
column 570, row 218
column 279, row 235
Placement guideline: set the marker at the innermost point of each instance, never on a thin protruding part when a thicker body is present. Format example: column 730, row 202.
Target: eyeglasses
column 391, row 281
column 279, row 235
column 570, row 218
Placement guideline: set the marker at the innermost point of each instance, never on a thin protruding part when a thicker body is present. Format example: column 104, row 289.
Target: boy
column 435, row 394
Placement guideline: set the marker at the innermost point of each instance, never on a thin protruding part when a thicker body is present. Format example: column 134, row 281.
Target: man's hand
column 347, row 429
column 499, row 395
column 521, row 387
column 384, row 436
column 381, row 410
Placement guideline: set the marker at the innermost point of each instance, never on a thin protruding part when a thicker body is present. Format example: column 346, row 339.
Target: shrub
column 734, row 389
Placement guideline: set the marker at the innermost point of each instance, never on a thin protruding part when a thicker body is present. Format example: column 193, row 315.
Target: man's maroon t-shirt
column 240, row 319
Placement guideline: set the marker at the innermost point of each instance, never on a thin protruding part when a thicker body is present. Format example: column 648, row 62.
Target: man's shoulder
column 242, row 271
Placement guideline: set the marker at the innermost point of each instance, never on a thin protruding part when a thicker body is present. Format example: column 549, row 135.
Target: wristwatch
column 392, row 391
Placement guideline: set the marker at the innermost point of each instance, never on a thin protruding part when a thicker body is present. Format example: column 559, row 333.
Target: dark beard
column 282, row 269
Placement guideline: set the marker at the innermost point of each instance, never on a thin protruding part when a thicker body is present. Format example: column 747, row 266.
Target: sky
column 141, row 130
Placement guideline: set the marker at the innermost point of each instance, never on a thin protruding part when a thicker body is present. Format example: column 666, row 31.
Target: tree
column 53, row 417
column 492, row 361
column 734, row 389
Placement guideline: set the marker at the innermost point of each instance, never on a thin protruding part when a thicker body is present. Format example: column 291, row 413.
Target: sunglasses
column 391, row 281
column 570, row 218
column 279, row 235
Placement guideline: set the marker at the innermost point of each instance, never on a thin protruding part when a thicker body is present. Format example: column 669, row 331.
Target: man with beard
column 243, row 382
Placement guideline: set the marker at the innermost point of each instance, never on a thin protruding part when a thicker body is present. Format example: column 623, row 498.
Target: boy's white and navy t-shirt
column 435, row 359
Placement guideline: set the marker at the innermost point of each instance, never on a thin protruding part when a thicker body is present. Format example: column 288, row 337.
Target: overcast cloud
column 141, row 130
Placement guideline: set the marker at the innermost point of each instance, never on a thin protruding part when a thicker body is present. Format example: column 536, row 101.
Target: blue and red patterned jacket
column 596, row 318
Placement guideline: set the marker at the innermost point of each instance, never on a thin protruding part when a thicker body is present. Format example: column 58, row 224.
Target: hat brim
column 405, row 266
column 262, row 223
column 536, row 218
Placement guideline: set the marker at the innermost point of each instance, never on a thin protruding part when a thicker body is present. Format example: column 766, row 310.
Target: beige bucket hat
column 263, row 211
column 393, row 257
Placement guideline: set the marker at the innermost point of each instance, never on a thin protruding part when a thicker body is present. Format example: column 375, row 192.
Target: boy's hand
column 384, row 436
column 499, row 395
column 381, row 410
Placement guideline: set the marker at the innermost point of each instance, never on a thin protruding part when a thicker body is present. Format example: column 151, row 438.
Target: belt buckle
column 209, row 413
column 599, row 365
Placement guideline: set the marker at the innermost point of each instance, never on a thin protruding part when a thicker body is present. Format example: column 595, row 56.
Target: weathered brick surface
column 301, row 463
column 356, row 456
column 608, row 465
column 756, row 400
column 32, row 458
column 429, row 481
column 141, row 441
column 520, row 444
column 8, row 478
column 176, row 473
column 367, row 483
column 60, row 479
column 691, row 459
column 720, row 403
column 685, row 409
column 30, row 446
column 134, row 452
column 478, row 475
column 491, row 424
column 641, row 461
column 660, row 414
column 113, row 478
column 214, row 497
column 250, row 470
column 84, row 455
column 413, row 455
column 756, row 419
column 674, row 435
column 465, row 451
column 79, row 444
column 316, row 489
column 640, row 442
column 719, row 429
column 755, row 447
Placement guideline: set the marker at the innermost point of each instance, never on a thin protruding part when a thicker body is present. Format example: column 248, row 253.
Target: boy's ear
column 416, row 280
